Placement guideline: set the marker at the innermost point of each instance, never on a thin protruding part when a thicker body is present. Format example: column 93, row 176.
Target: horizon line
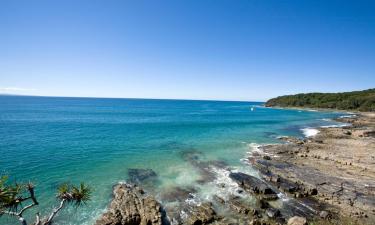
column 134, row 98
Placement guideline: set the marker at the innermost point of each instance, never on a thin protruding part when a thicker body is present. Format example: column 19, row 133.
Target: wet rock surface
column 335, row 168
column 254, row 185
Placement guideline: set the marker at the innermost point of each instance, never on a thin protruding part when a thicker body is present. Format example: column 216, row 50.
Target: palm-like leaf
column 10, row 195
column 63, row 192
column 81, row 194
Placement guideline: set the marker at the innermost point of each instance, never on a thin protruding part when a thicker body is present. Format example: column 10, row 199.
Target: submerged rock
column 131, row 206
column 138, row 176
column 204, row 168
column 177, row 194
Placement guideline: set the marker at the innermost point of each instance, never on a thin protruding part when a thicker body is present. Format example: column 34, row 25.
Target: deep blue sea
column 50, row 140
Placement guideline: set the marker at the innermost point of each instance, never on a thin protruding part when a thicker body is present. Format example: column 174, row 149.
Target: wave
column 336, row 125
column 348, row 116
column 309, row 132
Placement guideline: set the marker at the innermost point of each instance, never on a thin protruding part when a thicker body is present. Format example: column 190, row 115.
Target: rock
column 238, row 206
column 287, row 186
column 324, row 214
column 297, row 220
column 130, row 206
column 313, row 191
column 272, row 213
column 255, row 222
column 263, row 204
column 138, row 176
column 369, row 133
column 219, row 199
column 201, row 215
column 291, row 140
column 252, row 184
column 179, row 194
column 267, row 157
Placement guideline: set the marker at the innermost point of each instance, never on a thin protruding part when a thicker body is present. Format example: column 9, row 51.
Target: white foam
column 222, row 177
column 254, row 147
column 310, row 132
column 222, row 186
column 336, row 125
column 348, row 116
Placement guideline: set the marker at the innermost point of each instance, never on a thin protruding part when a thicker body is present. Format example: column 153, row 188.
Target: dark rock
column 267, row 157
column 287, row 186
column 313, row 191
column 130, row 207
column 263, row 204
column 252, row 184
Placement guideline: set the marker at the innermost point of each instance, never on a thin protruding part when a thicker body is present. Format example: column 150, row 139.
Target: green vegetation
column 356, row 100
column 15, row 199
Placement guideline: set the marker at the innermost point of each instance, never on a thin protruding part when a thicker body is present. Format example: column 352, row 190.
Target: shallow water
column 53, row 140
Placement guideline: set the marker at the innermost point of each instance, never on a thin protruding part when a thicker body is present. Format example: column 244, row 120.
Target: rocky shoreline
column 326, row 179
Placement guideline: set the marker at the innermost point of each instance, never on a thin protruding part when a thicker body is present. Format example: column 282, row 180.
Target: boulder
column 324, row 214
column 297, row 220
column 131, row 206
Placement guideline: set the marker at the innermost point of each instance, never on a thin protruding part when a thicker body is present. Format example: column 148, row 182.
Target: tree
column 15, row 199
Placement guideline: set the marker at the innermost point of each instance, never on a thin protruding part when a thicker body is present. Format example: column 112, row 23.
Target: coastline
column 335, row 164
column 292, row 187
column 317, row 109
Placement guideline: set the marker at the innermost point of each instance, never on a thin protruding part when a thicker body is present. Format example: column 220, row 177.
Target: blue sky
column 229, row 50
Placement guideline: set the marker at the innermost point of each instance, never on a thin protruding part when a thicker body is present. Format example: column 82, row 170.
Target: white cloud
column 16, row 89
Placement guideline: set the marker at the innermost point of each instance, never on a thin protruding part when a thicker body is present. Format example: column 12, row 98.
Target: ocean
column 53, row 140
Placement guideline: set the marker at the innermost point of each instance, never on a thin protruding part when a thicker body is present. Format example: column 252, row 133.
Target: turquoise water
column 53, row 140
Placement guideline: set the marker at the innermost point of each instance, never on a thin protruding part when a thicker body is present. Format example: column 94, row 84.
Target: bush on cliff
column 356, row 100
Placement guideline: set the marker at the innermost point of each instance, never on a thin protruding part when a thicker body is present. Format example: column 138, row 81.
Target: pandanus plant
column 17, row 198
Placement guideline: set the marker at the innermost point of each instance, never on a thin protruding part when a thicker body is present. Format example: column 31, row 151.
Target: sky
column 186, row 49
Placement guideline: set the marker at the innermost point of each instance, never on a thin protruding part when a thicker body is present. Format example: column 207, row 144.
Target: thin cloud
column 15, row 89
